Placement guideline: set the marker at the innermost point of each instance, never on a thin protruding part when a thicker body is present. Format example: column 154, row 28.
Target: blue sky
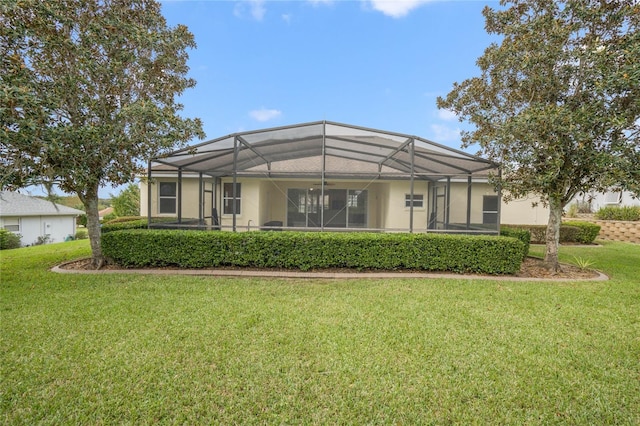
column 377, row 64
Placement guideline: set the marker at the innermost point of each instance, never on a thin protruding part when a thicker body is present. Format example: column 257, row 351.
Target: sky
column 371, row 63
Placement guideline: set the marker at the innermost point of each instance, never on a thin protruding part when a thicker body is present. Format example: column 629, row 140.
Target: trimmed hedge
column 586, row 232
column 625, row 213
column 314, row 250
column 522, row 234
column 132, row 222
column 570, row 232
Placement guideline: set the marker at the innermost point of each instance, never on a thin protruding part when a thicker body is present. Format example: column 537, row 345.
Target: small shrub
column 314, row 250
column 82, row 234
column 109, row 217
column 9, row 240
column 42, row 239
column 625, row 213
column 572, row 211
column 586, row 232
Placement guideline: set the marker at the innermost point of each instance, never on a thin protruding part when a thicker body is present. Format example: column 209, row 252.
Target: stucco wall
column 521, row 212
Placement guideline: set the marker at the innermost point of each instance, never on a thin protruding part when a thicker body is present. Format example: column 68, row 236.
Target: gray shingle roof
column 14, row 204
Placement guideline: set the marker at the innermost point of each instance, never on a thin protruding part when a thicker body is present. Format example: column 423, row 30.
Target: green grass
column 102, row 349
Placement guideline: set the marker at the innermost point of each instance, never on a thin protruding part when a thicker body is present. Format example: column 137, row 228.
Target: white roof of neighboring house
column 14, row 204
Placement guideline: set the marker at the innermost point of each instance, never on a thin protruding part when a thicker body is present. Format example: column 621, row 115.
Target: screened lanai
column 323, row 176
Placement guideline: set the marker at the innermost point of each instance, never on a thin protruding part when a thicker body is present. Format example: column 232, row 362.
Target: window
column 490, row 209
column 12, row 224
column 613, row 197
column 168, row 192
column 227, row 199
column 418, row 200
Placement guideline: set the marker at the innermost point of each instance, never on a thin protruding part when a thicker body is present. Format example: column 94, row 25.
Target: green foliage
column 81, row 220
column 132, row 222
column 8, row 240
column 109, row 217
column 557, row 102
column 307, row 250
column 628, row 213
column 88, row 89
column 586, row 232
column 522, row 234
column 127, row 203
column 81, row 234
column 570, row 232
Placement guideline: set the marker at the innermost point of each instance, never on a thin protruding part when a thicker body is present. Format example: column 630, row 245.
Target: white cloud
column 265, row 114
column 447, row 115
column 395, row 8
column 256, row 9
column 286, row 17
column 444, row 133
column 319, row 2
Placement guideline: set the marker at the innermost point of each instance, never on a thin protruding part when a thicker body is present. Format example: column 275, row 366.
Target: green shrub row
column 314, row 250
column 132, row 222
column 570, row 232
column 628, row 213
column 8, row 240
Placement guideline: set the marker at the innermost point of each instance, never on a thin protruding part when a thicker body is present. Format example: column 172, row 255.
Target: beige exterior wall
column 266, row 200
column 396, row 215
column 521, row 212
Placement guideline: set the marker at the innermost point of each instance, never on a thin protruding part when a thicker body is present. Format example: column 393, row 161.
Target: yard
column 100, row 349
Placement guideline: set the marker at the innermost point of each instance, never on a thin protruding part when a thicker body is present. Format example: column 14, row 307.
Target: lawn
column 100, row 349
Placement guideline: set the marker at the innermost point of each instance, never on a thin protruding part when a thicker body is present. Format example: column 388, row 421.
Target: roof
column 340, row 150
column 15, row 204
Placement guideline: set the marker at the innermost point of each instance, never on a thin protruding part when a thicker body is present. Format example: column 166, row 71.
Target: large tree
column 87, row 93
column 558, row 101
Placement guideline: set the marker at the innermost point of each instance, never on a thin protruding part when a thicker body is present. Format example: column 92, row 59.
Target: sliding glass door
column 340, row 208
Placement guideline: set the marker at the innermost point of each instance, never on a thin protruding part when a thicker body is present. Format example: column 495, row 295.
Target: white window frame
column 168, row 197
column 613, row 197
column 418, row 201
column 229, row 199
column 11, row 224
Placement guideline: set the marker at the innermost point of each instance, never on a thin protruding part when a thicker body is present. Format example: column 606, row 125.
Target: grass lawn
column 100, row 349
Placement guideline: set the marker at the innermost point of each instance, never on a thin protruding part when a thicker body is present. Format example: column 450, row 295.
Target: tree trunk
column 553, row 235
column 90, row 201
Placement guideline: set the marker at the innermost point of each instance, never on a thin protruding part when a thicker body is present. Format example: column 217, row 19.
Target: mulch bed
column 531, row 268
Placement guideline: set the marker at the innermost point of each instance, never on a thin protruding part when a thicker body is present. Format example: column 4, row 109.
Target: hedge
column 132, row 222
column 625, row 213
column 570, row 232
column 314, row 250
column 522, row 234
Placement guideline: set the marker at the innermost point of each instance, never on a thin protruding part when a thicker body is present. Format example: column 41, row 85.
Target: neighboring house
column 596, row 200
column 325, row 176
column 36, row 220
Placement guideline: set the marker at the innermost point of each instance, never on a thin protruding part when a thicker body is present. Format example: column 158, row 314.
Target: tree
column 127, row 203
column 558, row 101
column 87, row 93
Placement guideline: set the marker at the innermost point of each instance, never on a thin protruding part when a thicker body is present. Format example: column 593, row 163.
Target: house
column 36, row 220
column 324, row 176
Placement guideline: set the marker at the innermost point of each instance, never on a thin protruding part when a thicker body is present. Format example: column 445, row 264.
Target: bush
column 570, row 232
column 8, row 240
column 314, row 250
column 586, row 232
column 81, row 234
column 627, row 213
column 522, row 234
column 132, row 222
